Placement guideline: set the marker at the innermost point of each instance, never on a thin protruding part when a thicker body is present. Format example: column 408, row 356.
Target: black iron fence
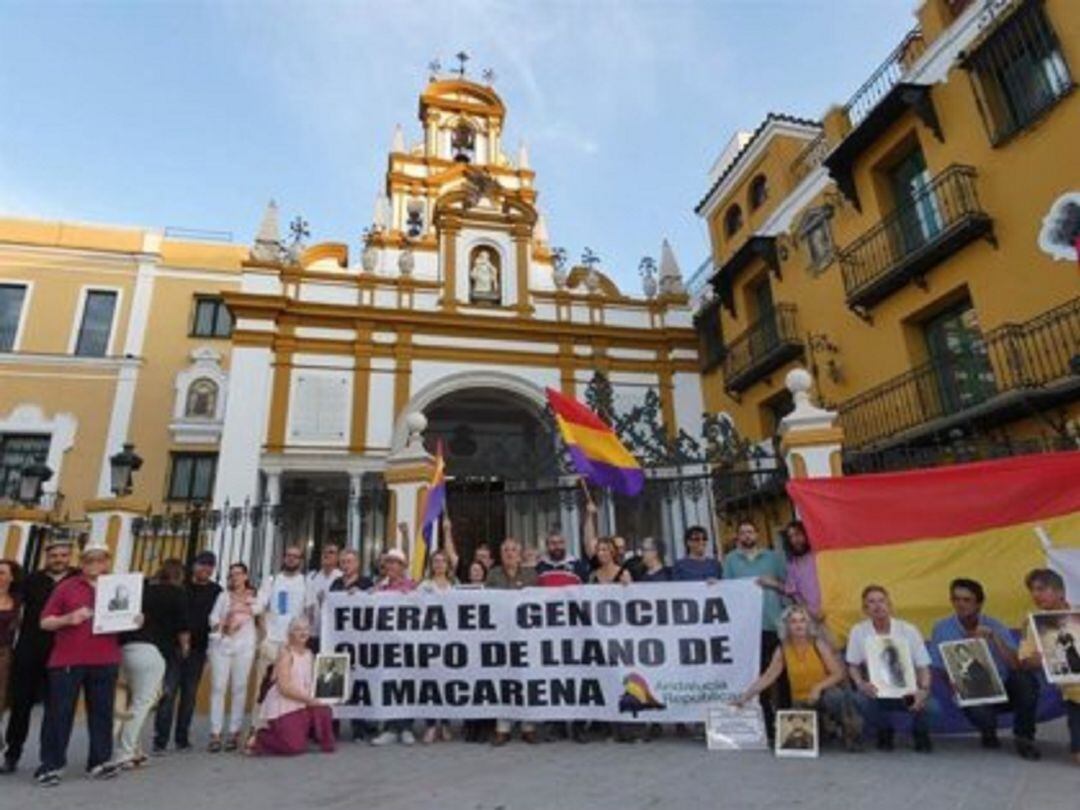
column 940, row 218
column 1041, row 355
column 888, row 74
column 772, row 340
column 958, row 449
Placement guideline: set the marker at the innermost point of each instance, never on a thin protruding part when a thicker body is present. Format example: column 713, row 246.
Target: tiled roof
column 790, row 119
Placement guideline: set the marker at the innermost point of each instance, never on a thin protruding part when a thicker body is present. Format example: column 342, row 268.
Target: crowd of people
column 265, row 637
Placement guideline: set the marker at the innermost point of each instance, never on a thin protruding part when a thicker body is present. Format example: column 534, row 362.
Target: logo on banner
column 637, row 696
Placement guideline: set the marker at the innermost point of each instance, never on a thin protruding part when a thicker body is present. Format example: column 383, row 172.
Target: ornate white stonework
column 199, row 401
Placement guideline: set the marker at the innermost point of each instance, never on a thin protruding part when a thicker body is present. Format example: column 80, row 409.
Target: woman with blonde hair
column 290, row 713
column 814, row 673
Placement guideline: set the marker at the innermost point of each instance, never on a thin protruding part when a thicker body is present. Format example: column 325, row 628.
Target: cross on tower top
column 462, row 58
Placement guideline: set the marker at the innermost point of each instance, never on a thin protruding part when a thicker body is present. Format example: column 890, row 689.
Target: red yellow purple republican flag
column 597, row 453
column 433, row 506
column 913, row 532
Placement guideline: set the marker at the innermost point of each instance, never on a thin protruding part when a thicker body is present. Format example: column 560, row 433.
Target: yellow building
column 284, row 393
column 916, row 250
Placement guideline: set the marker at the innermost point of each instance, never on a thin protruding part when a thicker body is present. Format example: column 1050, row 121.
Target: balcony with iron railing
column 1012, row 371
column 931, row 225
column 766, row 345
column 888, row 75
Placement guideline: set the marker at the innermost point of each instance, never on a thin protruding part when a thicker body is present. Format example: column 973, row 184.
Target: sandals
column 214, row 746
column 232, row 743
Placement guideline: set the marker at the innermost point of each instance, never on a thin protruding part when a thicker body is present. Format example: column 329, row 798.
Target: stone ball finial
column 799, row 381
column 416, row 422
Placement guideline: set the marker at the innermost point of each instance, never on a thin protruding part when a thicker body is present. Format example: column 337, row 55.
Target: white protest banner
column 652, row 652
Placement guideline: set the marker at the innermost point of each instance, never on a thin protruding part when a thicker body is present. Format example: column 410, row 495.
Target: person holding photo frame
column 1047, row 590
column 814, row 673
column 881, row 630
column 80, row 661
column 1021, row 686
column 290, row 714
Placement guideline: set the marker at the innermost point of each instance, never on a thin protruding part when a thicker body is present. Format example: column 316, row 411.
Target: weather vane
column 462, row 58
column 488, row 76
column 434, row 67
column 299, row 230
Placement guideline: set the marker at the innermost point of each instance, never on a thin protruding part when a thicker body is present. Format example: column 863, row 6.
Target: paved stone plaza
column 669, row 773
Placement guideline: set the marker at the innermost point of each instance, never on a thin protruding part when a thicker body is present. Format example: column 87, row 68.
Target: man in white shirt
column 904, row 667
column 282, row 597
column 318, row 585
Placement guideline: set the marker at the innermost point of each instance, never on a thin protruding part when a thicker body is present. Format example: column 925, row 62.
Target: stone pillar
column 811, row 439
column 355, row 519
column 110, row 524
column 273, row 499
column 408, row 474
column 245, row 423
column 16, row 522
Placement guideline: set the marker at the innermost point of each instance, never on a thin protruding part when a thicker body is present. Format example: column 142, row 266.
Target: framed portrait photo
column 730, row 728
column 1057, row 635
column 796, row 733
column 331, row 682
column 972, row 672
column 117, row 603
column 889, row 666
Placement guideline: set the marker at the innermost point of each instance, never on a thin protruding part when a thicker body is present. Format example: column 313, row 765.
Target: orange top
column 804, row 669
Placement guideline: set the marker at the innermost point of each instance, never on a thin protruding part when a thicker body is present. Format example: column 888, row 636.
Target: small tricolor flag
column 913, row 532
column 434, row 503
column 597, row 453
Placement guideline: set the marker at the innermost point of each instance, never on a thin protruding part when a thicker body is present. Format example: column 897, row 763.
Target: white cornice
column 34, row 359
column 773, row 127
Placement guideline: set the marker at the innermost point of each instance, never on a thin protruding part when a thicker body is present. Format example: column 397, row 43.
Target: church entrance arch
column 505, row 471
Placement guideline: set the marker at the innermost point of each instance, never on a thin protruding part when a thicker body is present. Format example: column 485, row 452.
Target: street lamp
column 122, row 467
column 31, row 480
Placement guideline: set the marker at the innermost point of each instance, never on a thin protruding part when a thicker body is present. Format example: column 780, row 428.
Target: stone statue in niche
column 484, row 278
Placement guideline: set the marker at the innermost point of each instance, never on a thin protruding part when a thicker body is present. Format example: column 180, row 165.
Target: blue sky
column 194, row 114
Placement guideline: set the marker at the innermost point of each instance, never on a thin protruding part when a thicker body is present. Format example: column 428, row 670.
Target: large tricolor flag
column 914, row 532
column 597, row 453
column 434, row 503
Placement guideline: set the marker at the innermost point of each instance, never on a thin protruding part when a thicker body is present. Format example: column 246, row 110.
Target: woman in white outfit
column 440, row 582
column 233, row 644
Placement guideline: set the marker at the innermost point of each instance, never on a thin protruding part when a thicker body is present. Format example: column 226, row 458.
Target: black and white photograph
column 796, row 733
column 118, row 602
column 1057, row 633
column 331, row 678
column 889, row 664
column 972, row 672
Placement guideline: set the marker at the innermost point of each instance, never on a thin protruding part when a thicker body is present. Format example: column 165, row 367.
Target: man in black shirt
column 182, row 675
column 28, row 673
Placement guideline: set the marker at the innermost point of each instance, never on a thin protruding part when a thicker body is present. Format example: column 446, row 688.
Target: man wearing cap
column 80, row 661
column 395, row 564
column 29, row 677
column 184, row 671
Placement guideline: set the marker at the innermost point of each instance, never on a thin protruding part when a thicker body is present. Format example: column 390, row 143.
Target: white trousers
column 230, row 671
column 144, row 670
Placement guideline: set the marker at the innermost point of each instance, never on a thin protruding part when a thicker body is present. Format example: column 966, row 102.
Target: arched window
column 759, row 192
column 732, row 220
column 201, row 400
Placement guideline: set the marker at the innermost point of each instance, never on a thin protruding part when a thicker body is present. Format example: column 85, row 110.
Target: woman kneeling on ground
column 814, row 674
column 290, row 714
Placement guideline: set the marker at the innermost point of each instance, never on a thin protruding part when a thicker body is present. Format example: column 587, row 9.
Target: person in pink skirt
column 290, row 715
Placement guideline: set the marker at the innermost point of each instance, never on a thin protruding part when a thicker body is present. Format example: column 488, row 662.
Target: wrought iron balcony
column 1017, row 367
column 935, row 223
column 770, row 342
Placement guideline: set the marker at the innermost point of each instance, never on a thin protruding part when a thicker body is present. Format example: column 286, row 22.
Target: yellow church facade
column 286, row 392
column 917, row 250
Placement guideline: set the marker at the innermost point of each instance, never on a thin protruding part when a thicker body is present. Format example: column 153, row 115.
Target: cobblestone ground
column 668, row 773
